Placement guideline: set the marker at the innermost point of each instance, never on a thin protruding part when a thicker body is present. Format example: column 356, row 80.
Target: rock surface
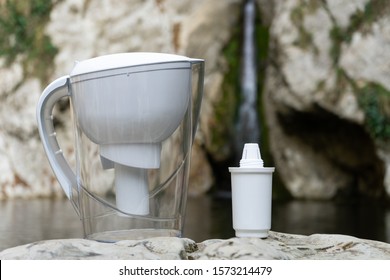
column 278, row 246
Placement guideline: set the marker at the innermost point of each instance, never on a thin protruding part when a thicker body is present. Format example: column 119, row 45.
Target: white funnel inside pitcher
column 131, row 163
column 135, row 102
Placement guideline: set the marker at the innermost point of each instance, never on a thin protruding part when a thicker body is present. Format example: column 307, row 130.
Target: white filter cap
column 251, row 156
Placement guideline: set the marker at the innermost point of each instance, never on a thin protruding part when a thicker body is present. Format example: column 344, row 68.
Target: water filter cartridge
column 251, row 194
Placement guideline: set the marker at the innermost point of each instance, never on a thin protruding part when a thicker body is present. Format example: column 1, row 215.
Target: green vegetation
column 374, row 99
column 226, row 108
column 305, row 39
column 360, row 21
column 262, row 43
column 22, row 35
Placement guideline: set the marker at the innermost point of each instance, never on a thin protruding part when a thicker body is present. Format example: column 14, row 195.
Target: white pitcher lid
column 122, row 60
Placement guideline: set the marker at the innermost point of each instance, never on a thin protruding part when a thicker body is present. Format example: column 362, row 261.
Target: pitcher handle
column 52, row 93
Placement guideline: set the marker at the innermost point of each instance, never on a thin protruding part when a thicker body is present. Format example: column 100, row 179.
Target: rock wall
column 327, row 97
column 85, row 29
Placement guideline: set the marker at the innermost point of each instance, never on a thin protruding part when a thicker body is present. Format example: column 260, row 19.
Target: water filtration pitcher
column 135, row 116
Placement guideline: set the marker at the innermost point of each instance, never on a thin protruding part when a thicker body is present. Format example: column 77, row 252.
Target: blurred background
column 306, row 79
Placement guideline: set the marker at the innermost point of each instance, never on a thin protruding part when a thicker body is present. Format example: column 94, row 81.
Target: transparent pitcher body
column 142, row 142
column 164, row 197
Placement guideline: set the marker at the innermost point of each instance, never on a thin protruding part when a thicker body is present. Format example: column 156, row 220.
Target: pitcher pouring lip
column 135, row 116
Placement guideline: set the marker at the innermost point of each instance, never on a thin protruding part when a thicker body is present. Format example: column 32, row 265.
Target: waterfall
column 247, row 129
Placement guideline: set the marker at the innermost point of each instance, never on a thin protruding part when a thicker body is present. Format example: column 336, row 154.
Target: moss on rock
column 374, row 99
column 22, row 36
column 360, row 21
column 226, row 107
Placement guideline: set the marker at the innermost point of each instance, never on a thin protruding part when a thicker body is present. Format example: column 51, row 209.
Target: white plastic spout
column 251, row 156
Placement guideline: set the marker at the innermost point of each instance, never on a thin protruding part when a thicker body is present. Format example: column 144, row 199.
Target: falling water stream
column 247, row 129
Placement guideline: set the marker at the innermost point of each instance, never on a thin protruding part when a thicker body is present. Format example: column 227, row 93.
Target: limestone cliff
column 326, row 95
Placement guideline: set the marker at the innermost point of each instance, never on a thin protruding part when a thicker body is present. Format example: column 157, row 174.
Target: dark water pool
column 25, row 221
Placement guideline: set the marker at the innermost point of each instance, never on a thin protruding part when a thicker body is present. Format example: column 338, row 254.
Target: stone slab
column 278, row 246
